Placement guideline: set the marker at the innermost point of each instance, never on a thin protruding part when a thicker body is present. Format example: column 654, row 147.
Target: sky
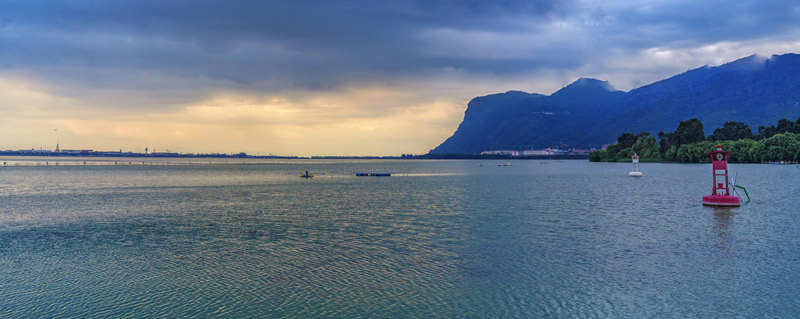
column 357, row 78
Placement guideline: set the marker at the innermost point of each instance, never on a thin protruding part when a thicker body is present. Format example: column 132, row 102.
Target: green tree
column 739, row 150
column 757, row 153
column 652, row 153
column 782, row 147
column 669, row 155
column 731, row 131
column 784, row 126
column 665, row 141
column 613, row 149
column 624, row 154
column 690, row 131
column 643, row 144
column 695, row 152
column 628, row 144
column 597, row 156
column 626, row 140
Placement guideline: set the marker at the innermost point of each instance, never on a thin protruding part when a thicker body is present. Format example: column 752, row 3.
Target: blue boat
column 372, row 174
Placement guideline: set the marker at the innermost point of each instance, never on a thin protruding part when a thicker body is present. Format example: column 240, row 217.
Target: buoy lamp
column 720, row 193
column 635, row 172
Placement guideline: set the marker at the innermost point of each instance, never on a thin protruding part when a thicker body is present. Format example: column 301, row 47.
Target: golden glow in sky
column 337, row 78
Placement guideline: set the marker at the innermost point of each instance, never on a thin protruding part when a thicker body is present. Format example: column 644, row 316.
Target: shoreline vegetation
column 687, row 144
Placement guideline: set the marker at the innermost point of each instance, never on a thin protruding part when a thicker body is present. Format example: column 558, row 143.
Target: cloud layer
column 311, row 77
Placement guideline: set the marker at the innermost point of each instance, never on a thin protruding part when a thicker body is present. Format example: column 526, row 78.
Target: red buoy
column 720, row 193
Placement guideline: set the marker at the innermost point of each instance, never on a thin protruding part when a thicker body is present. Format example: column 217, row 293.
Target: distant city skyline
column 349, row 78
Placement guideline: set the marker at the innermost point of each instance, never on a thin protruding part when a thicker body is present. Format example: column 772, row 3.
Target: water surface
column 438, row 239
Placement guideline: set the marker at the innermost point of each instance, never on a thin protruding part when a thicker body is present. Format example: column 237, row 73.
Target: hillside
column 589, row 112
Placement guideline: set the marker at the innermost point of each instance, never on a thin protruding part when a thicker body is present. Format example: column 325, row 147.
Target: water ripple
column 445, row 240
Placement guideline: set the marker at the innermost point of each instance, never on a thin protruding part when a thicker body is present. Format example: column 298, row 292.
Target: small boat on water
column 372, row 174
column 306, row 174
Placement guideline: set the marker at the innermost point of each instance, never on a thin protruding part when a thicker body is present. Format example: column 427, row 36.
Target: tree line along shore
column 687, row 144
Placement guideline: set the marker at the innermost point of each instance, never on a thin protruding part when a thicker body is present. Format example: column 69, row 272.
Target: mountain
column 588, row 113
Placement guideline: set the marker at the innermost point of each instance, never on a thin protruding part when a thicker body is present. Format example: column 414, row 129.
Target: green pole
column 745, row 192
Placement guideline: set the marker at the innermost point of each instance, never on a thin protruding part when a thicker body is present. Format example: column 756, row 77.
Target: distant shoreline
column 93, row 154
column 501, row 157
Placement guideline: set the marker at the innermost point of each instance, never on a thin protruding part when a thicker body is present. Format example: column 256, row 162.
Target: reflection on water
column 445, row 239
column 723, row 216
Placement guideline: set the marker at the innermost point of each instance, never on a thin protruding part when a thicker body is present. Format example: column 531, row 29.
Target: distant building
column 534, row 152
column 576, row 151
column 501, row 152
column 77, row 152
column 546, row 151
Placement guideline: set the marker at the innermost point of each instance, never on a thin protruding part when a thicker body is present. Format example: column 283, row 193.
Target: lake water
column 438, row 239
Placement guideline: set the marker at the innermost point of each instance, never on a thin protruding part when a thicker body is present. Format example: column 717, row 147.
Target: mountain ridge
column 589, row 112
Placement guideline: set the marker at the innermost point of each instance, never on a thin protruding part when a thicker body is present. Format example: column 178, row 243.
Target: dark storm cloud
column 305, row 43
column 691, row 23
column 274, row 45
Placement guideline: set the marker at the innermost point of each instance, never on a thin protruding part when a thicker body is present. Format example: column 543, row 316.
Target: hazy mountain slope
column 589, row 113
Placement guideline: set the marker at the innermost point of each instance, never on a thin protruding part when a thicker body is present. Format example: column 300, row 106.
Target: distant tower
column 145, row 150
column 58, row 150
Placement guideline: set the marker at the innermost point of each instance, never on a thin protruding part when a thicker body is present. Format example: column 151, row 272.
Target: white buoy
column 635, row 172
